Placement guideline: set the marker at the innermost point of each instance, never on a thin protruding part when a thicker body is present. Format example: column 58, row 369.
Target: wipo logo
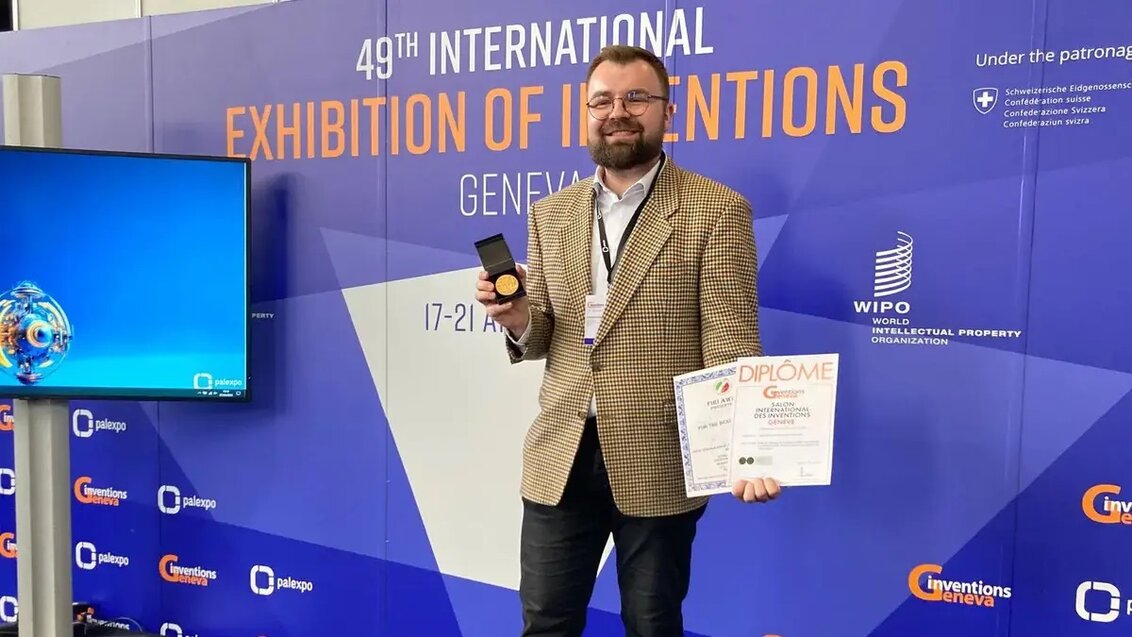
column 264, row 582
column 7, row 482
column 169, row 629
column 1108, row 510
column 892, row 274
column 9, row 609
column 171, row 502
column 84, row 424
column 7, row 420
column 892, row 270
column 88, row 558
column 1111, row 609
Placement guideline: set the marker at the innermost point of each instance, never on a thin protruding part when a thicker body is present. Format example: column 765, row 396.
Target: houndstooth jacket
column 683, row 298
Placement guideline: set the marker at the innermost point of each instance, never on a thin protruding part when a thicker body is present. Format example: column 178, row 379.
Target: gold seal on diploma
column 507, row 284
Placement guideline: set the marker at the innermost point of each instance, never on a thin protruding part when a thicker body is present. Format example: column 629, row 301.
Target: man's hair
column 624, row 54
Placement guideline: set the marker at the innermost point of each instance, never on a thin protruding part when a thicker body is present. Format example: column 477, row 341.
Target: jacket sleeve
column 728, row 288
column 535, row 342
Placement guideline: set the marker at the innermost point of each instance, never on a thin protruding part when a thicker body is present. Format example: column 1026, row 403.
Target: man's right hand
column 512, row 315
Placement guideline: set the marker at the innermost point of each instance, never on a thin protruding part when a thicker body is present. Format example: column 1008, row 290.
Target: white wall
column 34, row 14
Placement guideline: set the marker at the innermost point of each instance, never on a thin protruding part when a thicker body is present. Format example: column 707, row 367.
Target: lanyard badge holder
column 500, row 266
column 595, row 304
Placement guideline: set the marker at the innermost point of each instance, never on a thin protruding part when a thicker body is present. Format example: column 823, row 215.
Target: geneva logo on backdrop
column 6, row 418
column 8, row 545
column 99, row 496
column 174, row 573
column 1101, row 506
column 925, row 583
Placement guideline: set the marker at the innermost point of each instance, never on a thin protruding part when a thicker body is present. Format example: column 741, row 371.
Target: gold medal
column 507, row 285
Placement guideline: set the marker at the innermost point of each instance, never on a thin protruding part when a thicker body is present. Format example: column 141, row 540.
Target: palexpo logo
column 1109, row 610
column 88, row 558
column 84, row 424
column 101, row 496
column 169, row 629
column 171, row 502
column 205, row 380
column 264, row 582
column 9, row 608
column 1108, row 510
column 933, row 588
column 7, row 482
column 7, row 421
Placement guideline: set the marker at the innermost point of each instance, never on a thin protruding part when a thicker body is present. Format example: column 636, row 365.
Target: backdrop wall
column 371, row 488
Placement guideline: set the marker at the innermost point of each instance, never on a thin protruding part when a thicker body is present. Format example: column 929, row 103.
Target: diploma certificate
column 704, row 401
column 782, row 426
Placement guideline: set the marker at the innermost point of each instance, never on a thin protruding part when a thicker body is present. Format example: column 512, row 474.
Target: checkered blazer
column 683, row 298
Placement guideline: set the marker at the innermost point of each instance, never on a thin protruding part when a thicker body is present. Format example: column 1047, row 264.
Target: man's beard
column 624, row 154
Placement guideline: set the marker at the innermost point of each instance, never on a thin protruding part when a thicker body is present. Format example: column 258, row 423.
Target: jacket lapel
column 575, row 247
column 648, row 237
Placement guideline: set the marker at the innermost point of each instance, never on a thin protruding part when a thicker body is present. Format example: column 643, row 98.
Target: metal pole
column 33, row 111
column 33, row 117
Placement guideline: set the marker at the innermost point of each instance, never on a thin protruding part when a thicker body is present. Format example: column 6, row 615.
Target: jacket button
column 596, row 366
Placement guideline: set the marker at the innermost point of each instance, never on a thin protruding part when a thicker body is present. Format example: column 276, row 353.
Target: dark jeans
column 562, row 547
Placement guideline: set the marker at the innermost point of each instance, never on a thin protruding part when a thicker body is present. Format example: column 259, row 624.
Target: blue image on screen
column 124, row 275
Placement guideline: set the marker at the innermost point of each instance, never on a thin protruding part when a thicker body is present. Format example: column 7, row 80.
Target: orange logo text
column 86, row 494
column 925, row 583
column 1106, row 510
column 192, row 576
column 8, row 545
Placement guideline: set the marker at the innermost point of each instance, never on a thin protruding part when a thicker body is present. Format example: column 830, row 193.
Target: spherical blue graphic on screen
column 35, row 333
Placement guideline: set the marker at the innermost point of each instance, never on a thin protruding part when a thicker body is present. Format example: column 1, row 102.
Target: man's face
column 624, row 140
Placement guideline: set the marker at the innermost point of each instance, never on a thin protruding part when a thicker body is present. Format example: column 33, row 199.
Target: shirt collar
column 643, row 183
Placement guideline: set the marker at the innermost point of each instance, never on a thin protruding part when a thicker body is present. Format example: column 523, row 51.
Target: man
column 618, row 302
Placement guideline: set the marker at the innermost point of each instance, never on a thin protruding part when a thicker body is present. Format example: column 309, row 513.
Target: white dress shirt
column 616, row 212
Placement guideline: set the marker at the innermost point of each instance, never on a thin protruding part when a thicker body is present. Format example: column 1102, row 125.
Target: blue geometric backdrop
column 368, row 491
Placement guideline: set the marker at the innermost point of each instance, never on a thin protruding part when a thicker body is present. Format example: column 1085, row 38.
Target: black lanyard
column 610, row 265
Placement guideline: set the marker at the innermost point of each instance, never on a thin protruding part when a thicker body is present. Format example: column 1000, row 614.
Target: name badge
column 595, row 305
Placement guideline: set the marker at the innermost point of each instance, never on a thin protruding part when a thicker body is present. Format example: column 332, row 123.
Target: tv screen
column 125, row 275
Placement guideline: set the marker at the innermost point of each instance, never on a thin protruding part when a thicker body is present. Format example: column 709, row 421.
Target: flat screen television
column 124, row 276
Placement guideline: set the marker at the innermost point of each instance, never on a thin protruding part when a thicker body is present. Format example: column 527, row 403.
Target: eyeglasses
column 635, row 103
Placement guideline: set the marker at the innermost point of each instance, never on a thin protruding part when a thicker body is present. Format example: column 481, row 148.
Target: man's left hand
column 756, row 490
